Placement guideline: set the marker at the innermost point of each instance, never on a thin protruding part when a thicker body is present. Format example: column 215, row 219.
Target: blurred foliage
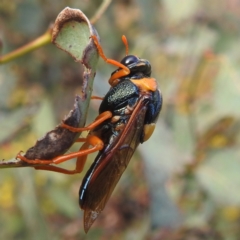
column 191, row 163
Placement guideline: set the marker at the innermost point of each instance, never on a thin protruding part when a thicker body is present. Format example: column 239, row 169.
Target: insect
column 127, row 117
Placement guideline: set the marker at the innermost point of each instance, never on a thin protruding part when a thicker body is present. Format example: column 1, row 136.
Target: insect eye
column 130, row 59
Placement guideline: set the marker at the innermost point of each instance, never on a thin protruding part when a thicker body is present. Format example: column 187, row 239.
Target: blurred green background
column 181, row 184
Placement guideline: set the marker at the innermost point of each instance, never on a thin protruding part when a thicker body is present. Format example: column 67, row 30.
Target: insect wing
column 111, row 166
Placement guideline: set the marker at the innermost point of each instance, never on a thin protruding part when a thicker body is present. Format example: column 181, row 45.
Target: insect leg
column 96, row 97
column 55, row 169
column 93, row 141
column 100, row 119
column 121, row 73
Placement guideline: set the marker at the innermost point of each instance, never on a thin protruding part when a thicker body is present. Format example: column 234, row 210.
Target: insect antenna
column 125, row 42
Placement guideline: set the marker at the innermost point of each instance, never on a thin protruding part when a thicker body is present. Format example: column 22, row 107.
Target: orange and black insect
column 127, row 117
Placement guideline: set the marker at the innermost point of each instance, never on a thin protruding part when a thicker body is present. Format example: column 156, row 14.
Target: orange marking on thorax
column 146, row 84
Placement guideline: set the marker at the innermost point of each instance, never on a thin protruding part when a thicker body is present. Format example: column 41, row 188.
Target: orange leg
column 93, row 141
column 96, row 97
column 100, row 119
column 123, row 72
column 57, row 169
column 81, row 160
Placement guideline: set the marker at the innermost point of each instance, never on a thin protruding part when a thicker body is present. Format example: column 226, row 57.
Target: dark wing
column 111, row 166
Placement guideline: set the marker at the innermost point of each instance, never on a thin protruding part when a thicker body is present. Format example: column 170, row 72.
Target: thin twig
column 37, row 43
column 13, row 163
column 100, row 11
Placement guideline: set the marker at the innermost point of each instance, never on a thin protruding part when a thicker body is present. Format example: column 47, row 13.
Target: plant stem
column 100, row 11
column 39, row 42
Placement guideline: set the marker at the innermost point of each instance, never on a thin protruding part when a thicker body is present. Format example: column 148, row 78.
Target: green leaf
column 71, row 33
